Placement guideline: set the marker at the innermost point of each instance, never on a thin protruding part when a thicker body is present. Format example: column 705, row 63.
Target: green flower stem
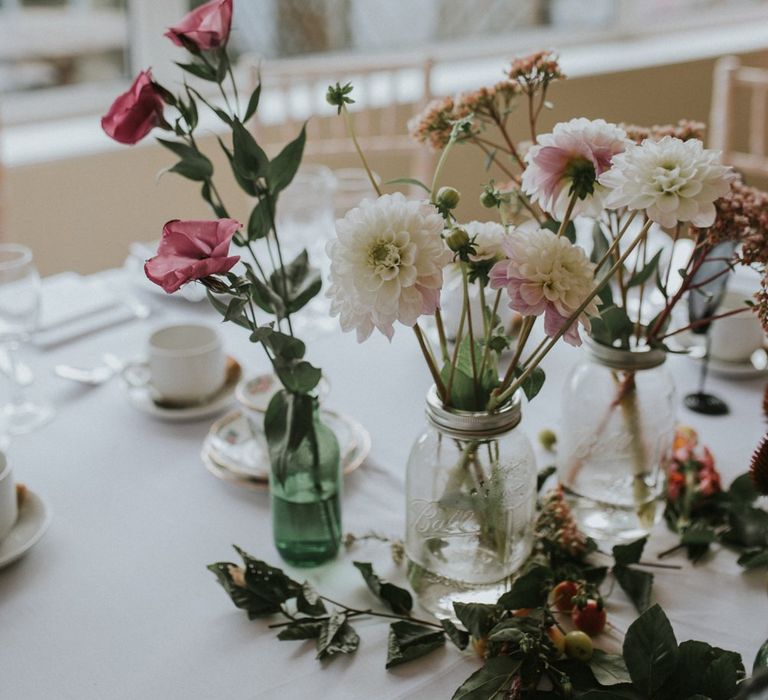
column 705, row 321
column 351, row 130
column 430, row 363
column 470, row 332
column 377, row 613
column 499, row 397
column 441, row 334
column 487, row 343
column 234, row 88
column 481, row 295
column 568, row 213
column 522, row 339
column 615, row 243
column 438, row 169
column 456, row 345
column 280, row 258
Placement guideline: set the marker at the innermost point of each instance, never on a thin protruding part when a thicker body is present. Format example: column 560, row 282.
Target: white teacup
column 9, row 510
column 185, row 364
column 735, row 338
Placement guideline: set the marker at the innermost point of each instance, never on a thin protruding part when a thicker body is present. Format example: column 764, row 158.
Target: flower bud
column 457, row 239
column 489, row 198
column 448, row 197
column 548, row 439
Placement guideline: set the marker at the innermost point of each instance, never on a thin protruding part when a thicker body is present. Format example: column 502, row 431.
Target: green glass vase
column 306, row 503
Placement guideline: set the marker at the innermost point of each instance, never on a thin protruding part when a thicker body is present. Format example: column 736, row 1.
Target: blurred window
column 67, row 57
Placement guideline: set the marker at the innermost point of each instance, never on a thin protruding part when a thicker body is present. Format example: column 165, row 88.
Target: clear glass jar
column 470, row 505
column 615, row 440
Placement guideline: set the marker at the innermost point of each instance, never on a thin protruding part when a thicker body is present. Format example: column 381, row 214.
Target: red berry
column 563, row 595
column 590, row 618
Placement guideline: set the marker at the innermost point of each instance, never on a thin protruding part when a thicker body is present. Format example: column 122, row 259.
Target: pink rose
column 207, row 27
column 136, row 112
column 191, row 250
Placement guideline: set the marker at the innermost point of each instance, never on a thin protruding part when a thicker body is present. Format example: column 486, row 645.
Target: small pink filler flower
column 192, row 250
column 206, row 27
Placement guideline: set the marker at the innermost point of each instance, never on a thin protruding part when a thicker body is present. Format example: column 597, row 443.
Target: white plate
column 34, row 518
column 236, row 449
column 140, row 397
column 735, row 370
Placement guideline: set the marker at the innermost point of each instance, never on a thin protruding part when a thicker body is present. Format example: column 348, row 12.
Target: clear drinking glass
column 19, row 312
column 470, row 505
column 615, row 440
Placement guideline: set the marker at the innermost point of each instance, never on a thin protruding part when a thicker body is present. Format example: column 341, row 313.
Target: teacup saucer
column 141, row 398
column 236, row 450
column 34, row 518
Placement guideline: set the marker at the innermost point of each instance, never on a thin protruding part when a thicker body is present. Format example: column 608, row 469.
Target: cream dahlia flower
column 672, row 180
column 488, row 237
column 546, row 274
column 386, row 264
column 569, row 160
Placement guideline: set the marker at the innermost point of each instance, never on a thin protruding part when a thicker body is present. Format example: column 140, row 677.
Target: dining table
column 115, row 601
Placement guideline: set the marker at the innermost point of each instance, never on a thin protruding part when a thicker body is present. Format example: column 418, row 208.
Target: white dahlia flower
column 672, row 180
column 569, row 160
column 386, row 264
column 488, row 237
column 547, row 274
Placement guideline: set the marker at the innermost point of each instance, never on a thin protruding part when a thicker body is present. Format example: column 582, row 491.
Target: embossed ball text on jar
column 470, row 505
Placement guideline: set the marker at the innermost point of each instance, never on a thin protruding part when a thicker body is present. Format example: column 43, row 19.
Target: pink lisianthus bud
column 206, row 27
column 136, row 112
column 192, row 250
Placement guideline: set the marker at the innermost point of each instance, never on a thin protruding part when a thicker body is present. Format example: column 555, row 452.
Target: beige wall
column 82, row 213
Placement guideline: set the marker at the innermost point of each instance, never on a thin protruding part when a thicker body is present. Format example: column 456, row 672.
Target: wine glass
column 19, row 313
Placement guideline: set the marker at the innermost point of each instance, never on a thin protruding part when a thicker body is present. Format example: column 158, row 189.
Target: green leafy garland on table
column 521, row 637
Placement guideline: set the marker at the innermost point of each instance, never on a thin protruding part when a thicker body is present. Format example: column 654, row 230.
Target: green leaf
column 533, row 382
column 529, row 590
column 554, row 226
column 253, row 103
column 297, row 376
column 478, row 618
column 463, row 394
column 650, row 651
column 743, row 489
column 180, row 148
column 543, row 475
column 460, row 638
column 297, row 283
column 223, row 308
column 754, row 559
column 398, row 599
column 613, row 324
column 642, row 276
column 309, row 602
column 761, row 658
column 636, row 584
column 631, row 552
column 488, row 682
column 199, row 70
column 408, row 181
column 408, row 641
column 609, row 669
column 243, row 178
column 195, row 167
column 748, row 527
column 285, row 164
column 260, row 221
column 244, row 598
column 336, row 636
column 707, row 670
column 300, row 630
column 249, row 159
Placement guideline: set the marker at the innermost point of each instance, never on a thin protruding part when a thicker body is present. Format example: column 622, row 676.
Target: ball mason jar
column 470, row 505
column 615, row 440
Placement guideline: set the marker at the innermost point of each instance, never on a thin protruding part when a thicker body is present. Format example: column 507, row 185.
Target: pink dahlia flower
column 569, row 160
column 549, row 275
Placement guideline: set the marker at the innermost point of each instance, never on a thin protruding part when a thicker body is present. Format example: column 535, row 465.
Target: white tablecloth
column 116, row 603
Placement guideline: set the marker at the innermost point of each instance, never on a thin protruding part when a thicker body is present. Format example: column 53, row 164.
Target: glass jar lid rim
column 618, row 358
column 480, row 423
